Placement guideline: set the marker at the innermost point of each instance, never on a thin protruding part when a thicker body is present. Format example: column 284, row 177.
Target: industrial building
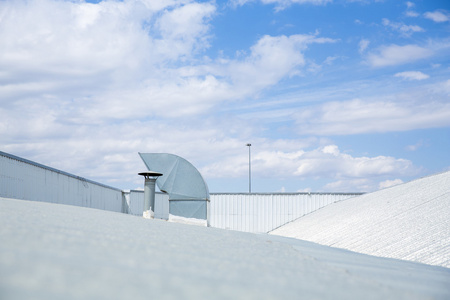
column 27, row 180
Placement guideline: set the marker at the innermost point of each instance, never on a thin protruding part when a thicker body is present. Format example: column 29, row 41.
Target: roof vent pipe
column 149, row 193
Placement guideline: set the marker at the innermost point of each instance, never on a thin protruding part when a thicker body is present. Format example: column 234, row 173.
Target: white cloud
column 266, row 162
column 282, row 4
column 415, row 146
column 438, row 16
column 363, row 44
column 412, row 75
column 406, row 111
column 290, row 2
column 130, row 55
column 353, row 174
column 360, row 185
column 410, row 4
column 324, row 162
column 99, row 82
column 196, row 89
column 389, row 183
column 270, row 60
column 81, row 48
column 405, row 30
column 411, row 13
column 350, row 185
column 109, row 150
column 85, row 86
column 184, row 30
column 329, row 160
column 397, row 55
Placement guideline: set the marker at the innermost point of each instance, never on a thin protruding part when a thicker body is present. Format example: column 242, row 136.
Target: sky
column 332, row 95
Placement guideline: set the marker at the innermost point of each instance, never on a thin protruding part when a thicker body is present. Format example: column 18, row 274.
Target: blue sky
column 334, row 96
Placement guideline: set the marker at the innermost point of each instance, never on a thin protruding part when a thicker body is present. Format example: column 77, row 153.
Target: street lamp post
column 249, row 169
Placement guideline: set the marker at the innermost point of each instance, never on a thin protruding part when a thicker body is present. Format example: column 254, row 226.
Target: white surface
column 410, row 221
column 52, row 251
column 148, row 214
column 188, row 221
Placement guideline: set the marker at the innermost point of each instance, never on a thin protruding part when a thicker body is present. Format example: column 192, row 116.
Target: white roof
column 410, row 221
column 53, row 251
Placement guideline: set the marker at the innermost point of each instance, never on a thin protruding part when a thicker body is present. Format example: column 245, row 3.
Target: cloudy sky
column 333, row 95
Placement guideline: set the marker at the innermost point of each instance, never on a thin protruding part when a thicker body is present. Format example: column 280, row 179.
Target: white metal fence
column 265, row 212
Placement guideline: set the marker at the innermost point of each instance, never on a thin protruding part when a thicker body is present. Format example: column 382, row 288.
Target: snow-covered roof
column 410, row 221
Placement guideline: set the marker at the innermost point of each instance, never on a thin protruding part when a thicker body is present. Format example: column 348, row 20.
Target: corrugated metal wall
column 265, row 212
column 26, row 180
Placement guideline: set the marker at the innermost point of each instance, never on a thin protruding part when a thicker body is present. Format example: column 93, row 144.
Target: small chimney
column 149, row 193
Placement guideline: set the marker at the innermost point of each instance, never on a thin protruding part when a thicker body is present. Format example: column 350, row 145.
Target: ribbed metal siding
column 23, row 179
column 265, row 212
column 136, row 204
